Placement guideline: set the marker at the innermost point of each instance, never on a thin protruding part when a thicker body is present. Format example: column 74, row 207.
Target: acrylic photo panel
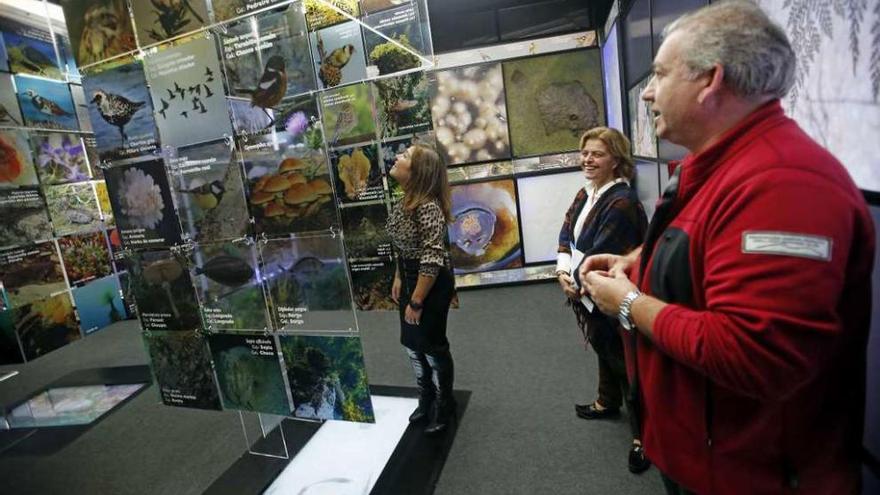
column 319, row 15
column 104, row 203
column 16, row 161
column 86, row 257
column 127, row 295
column 230, row 9
column 543, row 202
column 46, row 104
column 181, row 364
column 10, row 114
column 307, row 285
column 91, row 147
column 60, row 157
column 364, row 229
column 10, row 350
column 30, row 51
column 68, row 63
column 163, row 290
column 469, row 113
column 30, row 272
column 327, row 377
column 338, row 54
column 229, row 286
column 4, row 59
column 73, row 208
column 82, row 108
column 613, row 83
column 45, row 325
column 371, row 284
column 401, row 34
column 356, row 174
column 402, row 105
column 484, row 233
column 348, row 115
column 157, row 21
column 142, row 205
column 99, row 304
column 23, row 216
column 641, row 122
column 99, row 29
column 249, row 373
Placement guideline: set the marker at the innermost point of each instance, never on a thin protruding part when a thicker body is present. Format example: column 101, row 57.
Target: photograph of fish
column 249, row 373
column 86, row 257
column 356, row 173
column 142, row 205
column 229, row 286
column 229, row 9
column 469, row 113
column 542, row 198
column 327, row 377
column 186, row 86
column 181, row 364
column 99, row 29
column 643, row 136
column 46, row 104
column 338, row 52
column 60, row 157
column 16, row 162
column 99, row 304
column 484, row 233
column 31, row 53
column 73, row 208
column 23, row 216
column 163, row 290
column 402, row 105
column 307, row 285
column 158, row 20
column 363, row 227
column 209, row 192
column 10, row 350
column 10, row 114
column 120, row 110
column 30, row 272
column 319, row 15
column 371, row 284
column 45, row 325
column 552, row 100
column 104, row 203
column 401, row 44
column 348, row 115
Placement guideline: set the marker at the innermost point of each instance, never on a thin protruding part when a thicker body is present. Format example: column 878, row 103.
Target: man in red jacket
column 748, row 305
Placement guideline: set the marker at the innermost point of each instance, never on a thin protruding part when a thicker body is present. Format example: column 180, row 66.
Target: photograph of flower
column 348, row 115
column 46, row 104
column 10, row 114
column 99, row 304
column 16, row 162
column 30, row 272
column 60, row 158
column 484, row 233
column 371, row 284
column 142, row 204
column 45, row 325
column 249, row 373
column 73, row 208
column 30, row 54
column 363, row 226
column 24, row 216
column 402, row 25
column 158, row 20
column 402, row 105
column 163, row 290
column 338, row 54
column 181, row 364
column 99, row 29
column 356, row 174
column 319, row 15
column 86, row 257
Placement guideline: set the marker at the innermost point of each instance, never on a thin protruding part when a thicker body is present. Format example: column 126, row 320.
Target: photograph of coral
column 338, row 52
column 31, row 53
column 60, row 157
column 469, row 113
column 120, row 110
column 163, row 291
column 307, row 285
column 86, row 257
column 182, row 367
column 401, row 44
column 30, row 272
column 99, row 29
column 643, row 136
column 186, row 86
column 328, row 377
column 45, row 325
column 23, row 217
column 98, row 304
column 319, row 15
column 543, row 201
column 348, row 115
column 10, row 114
column 10, row 350
column 356, row 174
column 229, row 286
column 46, row 104
column 158, row 20
column 249, row 373
column 484, row 233
column 364, row 229
column 230, row 9
column 142, row 204
column 402, row 105
column 73, row 208
column 210, row 195
column 104, row 203
column 16, row 162
column 371, row 284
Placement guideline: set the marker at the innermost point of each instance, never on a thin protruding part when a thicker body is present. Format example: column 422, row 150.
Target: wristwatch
column 624, row 313
column 416, row 305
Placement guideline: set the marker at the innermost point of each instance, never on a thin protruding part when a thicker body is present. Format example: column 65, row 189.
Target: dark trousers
column 435, row 374
column 673, row 488
column 614, row 385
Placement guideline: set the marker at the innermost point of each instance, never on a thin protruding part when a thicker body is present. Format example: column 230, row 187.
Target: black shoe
column 589, row 411
column 443, row 415
column 422, row 412
column 638, row 463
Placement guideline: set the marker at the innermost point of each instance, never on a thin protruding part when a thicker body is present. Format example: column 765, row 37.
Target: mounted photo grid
column 99, row 29
column 357, row 174
column 364, row 228
column 24, row 216
column 46, row 104
column 484, row 234
column 29, row 273
column 142, row 204
column 338, row 54
column 73, row 208
column 86, row 257
column 45, row 325
column 163, row 290
column 99, row 304
column 157, row 21
column 16, row 161
column 402, row 105
column 405, row 26
column 59, row 157
column 371, row 284
column 181, row 364
column 249, row 373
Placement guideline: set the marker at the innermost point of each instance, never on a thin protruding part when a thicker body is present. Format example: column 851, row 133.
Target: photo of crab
column 363, row 227
column 98, row 304
column 552, row 100
column 371, row 284
column 86, row 257
column 46, row 104
column 98, row 29
column 306, row 283
column 142, row 205
column 319, row 15
column 338, row 52
column 402, row 105
column 120, row 110
column 30, row 51
column 229, row 9
column 327, row 377
column 348, row 115
column 30, row 272
column 16, row 162
column 45, row 325
column 643, row 135
column 10, row 114
column 104, row 203
column 401, row 43
column 356, row 174
column 10, row 350
column 73, row 208
column 469, row 113
column 158, row 20
column 181, row 364
column 229, row 286
column 249, row 373
column 23, row 216
column 163, row 290
column 484, row 233
column 60, row 157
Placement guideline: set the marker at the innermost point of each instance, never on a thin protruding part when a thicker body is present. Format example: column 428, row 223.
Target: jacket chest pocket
column 671, row 268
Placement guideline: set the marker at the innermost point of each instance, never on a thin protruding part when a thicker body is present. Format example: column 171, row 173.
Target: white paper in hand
column 576, row 258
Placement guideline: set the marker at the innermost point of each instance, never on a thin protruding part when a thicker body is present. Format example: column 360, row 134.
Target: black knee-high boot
column 424, row 384
column 443, row 374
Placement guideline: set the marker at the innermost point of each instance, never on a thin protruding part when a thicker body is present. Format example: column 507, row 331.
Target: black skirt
column 430, row 334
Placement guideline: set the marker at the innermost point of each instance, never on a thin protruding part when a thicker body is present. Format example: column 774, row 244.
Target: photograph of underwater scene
column 30, row 272
column 469, row 113
column 319, row 15
column 229, row 286
column 552, row 100
column 142, row 204
column 402, row 25
column 306, row 282
column 364, row 229
column 10, row 114
column 371, row 284
column 23, row 216
column 642, row 133
column 73, row 208
column 85, row 256
column 163, row 290
column 34, row 55
column 328, row 377
column 104, row 203
column 46, row 104
column 356, row 174
column 228, row 9
column 121, row 110
column 16, row 162
column 402, row 105
column 98, row 29
column 249, row 373
column 10, row 351
column 338, row 54
column 182, row 366
column 158, row 20
column 60, row 157
column 98, row 304
column 484, row 233
column 348, row 115
column 45, row 325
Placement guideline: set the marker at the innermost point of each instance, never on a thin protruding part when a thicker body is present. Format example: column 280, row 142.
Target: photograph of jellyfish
column 327, row 377
column 158, row 20
column 552, row 100
column 16, row 162
column 338, row 54
column 371, row 284
column 46, row 104
column 249, row 373
column 402, row 105
column 543, row 201
column 356, row 174
column 98, row 29
column 229, row 9
column 142, row 204
column 30, row 272
column 181, row 364
column 60, row 157
column 30, row 51
column 163, row 290
column 484, row 233
column 307, row 285
column 23, row 216
column 73, row 208
column 120, row 110
column 364, row 229
column 209, row 192
column 186, row 86
column 86, row 257
column 404, row 27
column 643, row 136
column 45, row 325
column 10, row 350
column 229, row 286
column 469, row 113
column 348, row 115
column 319, row 15
column 10, row 114
column 99, row 304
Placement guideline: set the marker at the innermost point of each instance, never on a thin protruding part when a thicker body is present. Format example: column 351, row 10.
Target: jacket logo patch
column 787, row 244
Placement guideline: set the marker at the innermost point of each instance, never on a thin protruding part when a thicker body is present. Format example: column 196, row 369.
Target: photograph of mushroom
column 30, row 272
column 59, row 157
column 363, row 227
column 24, row 216
column 86, row 257
column 45, row 325
column 98, row 304
column 319, row 15
column 402, row 105
column 181, row 364
column 158, row 20
column 163, row 290
column 484, row 233
column 16, row 161
column 46, row 104
column 643, row 137
column 99, row 29
column 348, row 115
column 371, row 284
column 338, row 54
column 249, row 373
column 142, row 204
column 73, row 208
column 356, row 174
column 404, row 26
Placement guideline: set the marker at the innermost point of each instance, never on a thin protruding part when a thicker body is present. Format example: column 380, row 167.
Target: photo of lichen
column 182, row 367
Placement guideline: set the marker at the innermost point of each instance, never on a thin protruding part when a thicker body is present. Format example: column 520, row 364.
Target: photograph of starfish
column 46, row 104
column 98, row 29
column 158, row 20
column 142, row 204
column 338, row 52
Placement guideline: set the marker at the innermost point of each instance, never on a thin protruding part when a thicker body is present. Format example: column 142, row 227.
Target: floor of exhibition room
column 516, row 349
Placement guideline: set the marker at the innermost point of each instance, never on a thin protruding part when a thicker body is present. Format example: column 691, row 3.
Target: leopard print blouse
column 421, row 235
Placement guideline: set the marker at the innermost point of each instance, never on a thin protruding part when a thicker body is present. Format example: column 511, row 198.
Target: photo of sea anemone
column 86, row 257
column 163, row 290
column 402, row 104
column 249, row 373
column 158, row 20
column 319, row 15
column 73, row 208
column 402, row 25
column 363, row 227
column 142, row 204
column 99, row 29
column 348, row 115
column 45, row 325
column 23, row 216
column 371, row 284
column 60, row 158
column 16, row 162
column 357, row 174
column 30, row 272
column 99, row 304
column 484, row 233
column 30, row 55
column 181, row 364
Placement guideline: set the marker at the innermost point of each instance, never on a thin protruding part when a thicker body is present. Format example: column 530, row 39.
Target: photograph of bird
column 332, row 63
column 202, row 108
column 106, row 31
column 179, row 90
column 208, row 195
column 208, row 92
column 197, row 89
column 271, row 88
column 171, row 95
column 30, row 58
column 5, row 116
column 346, row 121
column 45, row 105
column 185, row 114
column 165, row 106
column 209, row 74
column 195, row 102
column 116, row 109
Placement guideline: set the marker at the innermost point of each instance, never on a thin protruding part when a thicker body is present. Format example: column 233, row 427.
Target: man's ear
column 713, row 81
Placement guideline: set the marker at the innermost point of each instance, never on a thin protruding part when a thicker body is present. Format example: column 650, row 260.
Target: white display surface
column 543, row 201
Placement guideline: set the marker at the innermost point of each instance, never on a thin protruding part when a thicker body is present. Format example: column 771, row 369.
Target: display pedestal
column 262, row 435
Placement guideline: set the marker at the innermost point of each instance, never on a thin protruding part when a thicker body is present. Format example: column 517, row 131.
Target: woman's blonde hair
column 427, row 181
column 618, row 146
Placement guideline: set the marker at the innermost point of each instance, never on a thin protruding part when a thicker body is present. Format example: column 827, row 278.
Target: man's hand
column 607, row 290
column 395, row 289
column 611, row 263
column 567, row 284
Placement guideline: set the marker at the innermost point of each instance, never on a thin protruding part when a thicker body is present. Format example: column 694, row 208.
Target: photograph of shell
column 643, row 135
column 30, row 51
column 552, row 100
column 142, row 205
column 327, row 377
column 319, row 15
column 229, row 286
column 469, row 113
column 10, row 351
column 98, row 304
column 120, row 110
column 30, row 272
column 23, row 216
column 60, row 157
column 249, row 373
column 348, row 115
column 371, row 284
column 86, row 257
column 104, row 203
column 98, row 29
column 16, row 162
column 402, row 35
column 543, row 201
column 209, row 192
column 45, row 104
column 158, row 20
column 402, row 105
column 307, row 285
column 163, row 290
column 45, row 325
column 356, row 174
column 186, row 86
column 484, row 233
column 230, row 9
column 10, row 114
column 73, row 208
column 181, row 364
column 363, row 227
column 338, row 52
